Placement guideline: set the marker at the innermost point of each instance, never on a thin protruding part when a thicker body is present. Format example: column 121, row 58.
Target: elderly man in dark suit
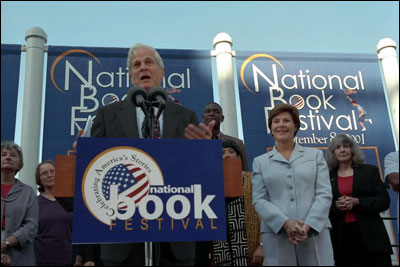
column 122, row 119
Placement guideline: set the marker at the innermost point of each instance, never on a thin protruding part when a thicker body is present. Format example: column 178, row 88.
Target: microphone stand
column 149, row 133
column 151, row 122
column 150, row 117
column 148, row 110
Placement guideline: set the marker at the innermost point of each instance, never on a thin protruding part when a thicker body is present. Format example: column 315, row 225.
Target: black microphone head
column 157, row 91
column 137, row 94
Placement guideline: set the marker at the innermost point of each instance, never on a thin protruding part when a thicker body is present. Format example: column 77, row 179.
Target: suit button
column 290, row 187
column 289, row 176
column 292, row 199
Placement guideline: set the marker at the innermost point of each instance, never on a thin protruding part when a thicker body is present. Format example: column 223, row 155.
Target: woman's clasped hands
column 346, row 202
column 296, row 230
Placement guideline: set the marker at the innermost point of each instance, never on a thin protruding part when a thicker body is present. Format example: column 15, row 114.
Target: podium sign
column 147, row 190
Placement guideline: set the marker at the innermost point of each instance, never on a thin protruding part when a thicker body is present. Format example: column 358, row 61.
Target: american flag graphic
column 109, row 98
column 132, row 182
column 298, row 102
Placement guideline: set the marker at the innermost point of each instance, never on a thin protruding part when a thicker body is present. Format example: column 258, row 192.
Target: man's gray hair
column 133, row 50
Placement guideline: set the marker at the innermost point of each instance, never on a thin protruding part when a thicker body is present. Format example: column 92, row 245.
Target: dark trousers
column 137, row 256
column 353, row 252
column 202, row 256
column 167, row 257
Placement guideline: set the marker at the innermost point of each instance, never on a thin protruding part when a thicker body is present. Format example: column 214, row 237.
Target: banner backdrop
column 335, row 94
column 136, row 190
column 82, row 79
column 10, row 62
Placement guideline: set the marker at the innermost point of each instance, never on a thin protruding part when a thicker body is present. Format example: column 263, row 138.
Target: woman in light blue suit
column 292, row 195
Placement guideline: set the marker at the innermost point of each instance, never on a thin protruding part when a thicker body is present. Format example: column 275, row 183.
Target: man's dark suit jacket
column 371, row 191
column 119, row 120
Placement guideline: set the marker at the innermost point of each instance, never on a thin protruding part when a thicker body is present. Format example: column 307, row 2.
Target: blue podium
column 147, row 190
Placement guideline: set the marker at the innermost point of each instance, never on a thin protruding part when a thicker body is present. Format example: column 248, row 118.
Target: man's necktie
column 156, row 128
column 145, row 128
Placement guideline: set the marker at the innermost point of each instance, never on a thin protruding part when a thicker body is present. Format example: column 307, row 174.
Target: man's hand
column 393, row 179
column 75, row 143
column 258, row 256
column 78, row 260
column 5, row 260
column 199, row 132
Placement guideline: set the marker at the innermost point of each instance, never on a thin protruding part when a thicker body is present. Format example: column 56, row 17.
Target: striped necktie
column 156, row 128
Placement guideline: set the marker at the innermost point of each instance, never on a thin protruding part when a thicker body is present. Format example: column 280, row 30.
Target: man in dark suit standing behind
column 121, row 119
column 213, row 112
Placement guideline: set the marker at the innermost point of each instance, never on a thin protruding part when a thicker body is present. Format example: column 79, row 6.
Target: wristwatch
column 260, row 244
column 7, row 243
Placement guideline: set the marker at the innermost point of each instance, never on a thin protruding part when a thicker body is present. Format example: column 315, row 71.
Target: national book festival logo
column 116, row 182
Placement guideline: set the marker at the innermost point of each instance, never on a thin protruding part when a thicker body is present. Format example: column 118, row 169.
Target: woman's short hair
column 133, row 50
column 280, row 108
column 37, row 173
column 10, row 145
column 357, row 156
column 232, row 144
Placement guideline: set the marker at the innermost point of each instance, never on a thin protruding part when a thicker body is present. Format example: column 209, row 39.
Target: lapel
column 298, row 152
column 275, row 155
column 128, row 119
column 335, row 189
column 356, row 181
column 16, row 187
column 171, row 118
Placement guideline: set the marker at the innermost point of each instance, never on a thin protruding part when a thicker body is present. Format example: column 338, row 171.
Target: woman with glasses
column 53, row 243
column 19, row 210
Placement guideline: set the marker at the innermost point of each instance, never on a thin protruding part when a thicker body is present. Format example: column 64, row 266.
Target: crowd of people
column 308, row 209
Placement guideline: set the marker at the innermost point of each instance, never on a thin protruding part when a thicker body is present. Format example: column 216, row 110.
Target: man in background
column 213, row 112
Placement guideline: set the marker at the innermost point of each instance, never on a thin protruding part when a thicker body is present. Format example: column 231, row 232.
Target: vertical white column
column 35, row 39
column 223, row 53
column 386, row 50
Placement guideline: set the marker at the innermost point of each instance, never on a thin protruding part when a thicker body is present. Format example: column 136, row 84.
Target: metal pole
column 148, row 253
column 223, row 53
column 35, row 39
column 148, row 247
column 386, row 50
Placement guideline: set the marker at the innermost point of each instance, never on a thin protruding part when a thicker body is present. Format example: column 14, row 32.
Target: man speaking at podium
column 128, row 119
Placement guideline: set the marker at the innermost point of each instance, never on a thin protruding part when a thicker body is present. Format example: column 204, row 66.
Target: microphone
column 137, row 97
column 158, row 97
